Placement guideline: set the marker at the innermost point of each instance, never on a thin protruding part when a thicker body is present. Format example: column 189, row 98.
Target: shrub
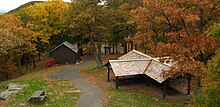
column 209, row 99
column 210, row 96
column 49, row 62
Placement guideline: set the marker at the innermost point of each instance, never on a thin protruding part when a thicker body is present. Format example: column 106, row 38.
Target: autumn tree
column 14, row 42
column 117, row 3
column 91, row 21
column 176, row 28
column 123, row 32
column 210, row 93
column 211, row 90
column 46, row 19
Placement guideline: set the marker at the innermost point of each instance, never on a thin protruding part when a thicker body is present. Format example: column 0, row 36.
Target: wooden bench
column 37, row 96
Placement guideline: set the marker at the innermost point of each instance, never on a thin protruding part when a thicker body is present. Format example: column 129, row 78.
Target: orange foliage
column 14, row 37
column 181, row 25
column 13, row 43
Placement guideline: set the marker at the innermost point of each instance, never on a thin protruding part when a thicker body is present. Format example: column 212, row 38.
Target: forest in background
column 188, row 31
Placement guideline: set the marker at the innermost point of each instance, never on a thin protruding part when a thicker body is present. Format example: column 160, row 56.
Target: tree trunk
column 125, row 48
column 145, row 51
column 39, row 55
column 116, row 82
column 33, row 61
column 188, row 76
column 30, row 61
column 19, row 64
column 201, row 22
column 116, row 47
column 1, row 76
column 155, row 38
column 26, row 61
column 132, row 44
column 129, row 47
column 97, row 53
column 6, row 75
column 99, row 64
column 113, row 48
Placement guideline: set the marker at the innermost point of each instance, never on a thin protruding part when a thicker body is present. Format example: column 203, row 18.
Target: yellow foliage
column 46, row 19
column 14, row 37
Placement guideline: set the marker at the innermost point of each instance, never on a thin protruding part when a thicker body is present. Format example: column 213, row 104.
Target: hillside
column 23, row 6
column 59, row 93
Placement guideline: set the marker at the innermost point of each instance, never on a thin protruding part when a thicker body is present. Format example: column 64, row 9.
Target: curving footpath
column 91, row 94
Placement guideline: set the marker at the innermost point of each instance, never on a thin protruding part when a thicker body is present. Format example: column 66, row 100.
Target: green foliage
column 117, row 3
column 114, row 3
column 210, row 94
column 119, row 32
column 88, row 19
column 214, row 30
column 214, row 67
column 210, row 99
column 91, row 21
column 122, row 31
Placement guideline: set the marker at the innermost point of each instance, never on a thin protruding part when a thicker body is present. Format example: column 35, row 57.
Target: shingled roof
column 155, row 71
column 128, row 67
column 135, row 63
column 134, row 55
column 68, row 45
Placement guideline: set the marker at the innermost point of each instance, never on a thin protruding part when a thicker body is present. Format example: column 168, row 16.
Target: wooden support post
column 108, row 70
column 116, row 82
column 188, row 85
column 165, row 88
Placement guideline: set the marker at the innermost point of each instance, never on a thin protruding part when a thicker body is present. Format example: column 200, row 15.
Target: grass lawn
column 135, row 98
column 125, row 97
column 59, row 93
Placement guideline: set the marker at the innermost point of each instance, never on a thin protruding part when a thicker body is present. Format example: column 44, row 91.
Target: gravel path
column 91, row 94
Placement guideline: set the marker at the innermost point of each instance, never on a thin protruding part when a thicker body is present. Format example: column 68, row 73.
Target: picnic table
column 37, row 96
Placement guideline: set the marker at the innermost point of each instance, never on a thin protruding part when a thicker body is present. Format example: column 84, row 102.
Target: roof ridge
column 141, row 53
column 68, row 45
column 130, row 60
column 147, row 66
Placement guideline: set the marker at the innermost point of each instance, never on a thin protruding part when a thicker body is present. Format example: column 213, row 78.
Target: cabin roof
column 134, row 63
column 135, row 55
column 68, row 45
column 128, row 67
